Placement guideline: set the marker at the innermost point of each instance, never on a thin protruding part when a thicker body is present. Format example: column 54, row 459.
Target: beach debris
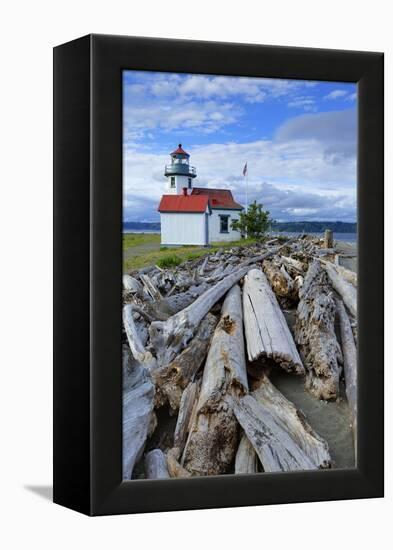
column 315, row 334
column 267, row 334
column 155, row 465
column 349, row 351
column 201, row 341
column 212, row 441
column 246, row 461
column 138, row 411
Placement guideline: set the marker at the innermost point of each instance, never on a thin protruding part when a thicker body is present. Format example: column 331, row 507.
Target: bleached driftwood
column 276, row 449
column 315, row 335
column 346, row 274
column 138, row 402
column 180, row 301
column 202, row 267
column 246, row 461
column 155, row 465
column 350, row 363
column 328, row 239
column 171, row 336
column 293, row 263
column 294, row 422
column 174, row 467
column 267, row 332
column 130, row 284
column 149, row 286
column 187, row 403
column 170, row 380
column 212, row 442
column 279, row 279
column 346, row 290
column 137, row 348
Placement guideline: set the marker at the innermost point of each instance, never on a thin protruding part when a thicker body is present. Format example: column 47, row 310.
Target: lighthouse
column 194, row 215
column 179, row 173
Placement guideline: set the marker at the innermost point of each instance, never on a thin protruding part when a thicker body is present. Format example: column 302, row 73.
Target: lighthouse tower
column 179, row 172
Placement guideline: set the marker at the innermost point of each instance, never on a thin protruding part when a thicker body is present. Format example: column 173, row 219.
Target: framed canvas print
column 218, row 275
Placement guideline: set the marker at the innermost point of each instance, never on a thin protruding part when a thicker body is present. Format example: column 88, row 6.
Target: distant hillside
column 142, row 226
column 314, row 227
column 295, row 227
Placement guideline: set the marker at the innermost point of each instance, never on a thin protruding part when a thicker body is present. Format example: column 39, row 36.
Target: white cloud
column 302, row 174
column 305, row 102
column 336, row 94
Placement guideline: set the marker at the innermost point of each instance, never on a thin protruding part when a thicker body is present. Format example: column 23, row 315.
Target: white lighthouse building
column 194, row 215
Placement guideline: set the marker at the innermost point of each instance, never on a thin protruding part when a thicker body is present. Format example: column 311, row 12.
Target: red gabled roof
column 182, row 203
column 219, row 198
column 180, row 151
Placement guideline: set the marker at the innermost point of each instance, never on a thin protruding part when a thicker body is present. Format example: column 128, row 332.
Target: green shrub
column 169, row 261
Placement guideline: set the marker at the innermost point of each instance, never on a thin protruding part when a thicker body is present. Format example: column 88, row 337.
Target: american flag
column 245, row 169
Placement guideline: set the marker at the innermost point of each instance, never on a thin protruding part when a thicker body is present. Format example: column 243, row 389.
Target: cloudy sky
column 297, row 137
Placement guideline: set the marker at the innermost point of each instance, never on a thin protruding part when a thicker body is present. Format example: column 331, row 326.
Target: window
column 224, row 224
column 189, row 183
column 172, row 181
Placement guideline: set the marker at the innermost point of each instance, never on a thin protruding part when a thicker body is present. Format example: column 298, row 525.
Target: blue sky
column 297, row 137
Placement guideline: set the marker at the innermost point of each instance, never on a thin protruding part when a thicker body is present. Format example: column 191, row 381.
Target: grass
column 143, row 249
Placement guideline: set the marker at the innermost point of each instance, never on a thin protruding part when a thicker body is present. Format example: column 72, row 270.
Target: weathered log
column 315, row 335
column 246, row 461
column 180, row 301
column 171, row 336
column 203, row 265
column 350, row 364
column 187, row 403
column 346, row 274
column 276, row 449
column 138, row 402
column 294, row 422
column 170, row 380
column 130, row 284
column 137, row 348
column 174, row 467
column 149, row 286
column 280, row 281
column 155, row 465
column 212, row 442
column 267, row 332
column 294, row 264
column 346, row 290
column 328, row 239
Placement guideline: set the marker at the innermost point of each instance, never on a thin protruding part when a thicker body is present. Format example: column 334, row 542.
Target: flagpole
column 246, row 177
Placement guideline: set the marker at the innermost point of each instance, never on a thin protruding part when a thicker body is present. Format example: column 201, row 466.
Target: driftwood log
column 345, row 289
column 294, row 422
column 246, row 461
column 170, row 337
column 276, row 449
column 350, row 364
column 267, row 333
column 187, row 403
column 315, row 335
column 138, row 402
column 174, row 467
column 212, row 442
column 280, row 281
column 328, row 239
column 155, row 465
column 136, row 346
column 346, row 274
column 170, row 380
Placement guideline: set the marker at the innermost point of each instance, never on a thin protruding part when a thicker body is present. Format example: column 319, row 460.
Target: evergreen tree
column 254, row 223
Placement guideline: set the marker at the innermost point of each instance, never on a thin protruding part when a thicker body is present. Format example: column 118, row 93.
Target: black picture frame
column 88, row 265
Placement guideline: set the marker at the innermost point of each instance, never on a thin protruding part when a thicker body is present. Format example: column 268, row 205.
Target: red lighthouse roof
column 184, row 203
column 218, row 198
column 180, row 151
